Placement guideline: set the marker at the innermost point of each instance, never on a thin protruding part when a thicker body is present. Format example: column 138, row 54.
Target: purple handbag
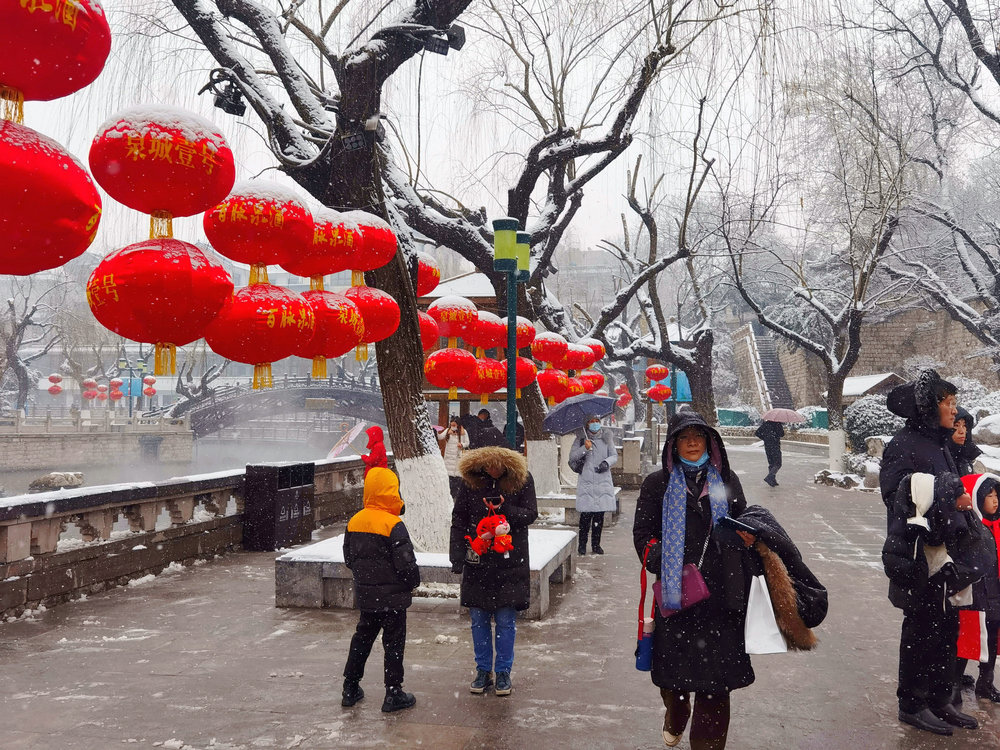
column 693, row 586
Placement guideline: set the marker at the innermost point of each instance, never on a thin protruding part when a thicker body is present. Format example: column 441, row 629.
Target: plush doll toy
column 501, row 536
column 493, row 532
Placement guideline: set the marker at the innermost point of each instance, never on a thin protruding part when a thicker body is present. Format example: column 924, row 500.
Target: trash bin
column 278, row 506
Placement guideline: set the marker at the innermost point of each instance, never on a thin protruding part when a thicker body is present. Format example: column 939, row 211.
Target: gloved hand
column 653, row 559
column 457, row 568
column 601, row 467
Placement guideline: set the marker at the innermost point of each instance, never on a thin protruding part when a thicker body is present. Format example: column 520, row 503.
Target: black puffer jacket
column 771, row 433
column 922, row 444
column 966, row 453
column 497, row 580
column 377, row 547
column 700, row 648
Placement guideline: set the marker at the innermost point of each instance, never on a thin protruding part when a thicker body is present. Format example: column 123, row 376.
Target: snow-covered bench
column 315, row 576
column 567, row 501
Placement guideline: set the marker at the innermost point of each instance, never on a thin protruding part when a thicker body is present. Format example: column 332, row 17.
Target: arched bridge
column 232, row 405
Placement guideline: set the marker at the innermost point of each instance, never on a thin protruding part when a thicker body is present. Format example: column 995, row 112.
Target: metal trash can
column 278, row 506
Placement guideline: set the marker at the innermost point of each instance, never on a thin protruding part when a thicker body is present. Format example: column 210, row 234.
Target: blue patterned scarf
column 674, row 527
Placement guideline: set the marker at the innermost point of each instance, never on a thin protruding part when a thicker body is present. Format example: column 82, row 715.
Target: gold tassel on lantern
column 258, row 274
column 161, row 225
column 361, row 353
column 13, row 104
column 357, row 278
column 316, row 285
column 319, row 367
column 452, row 393
column 552, row 401
column 165, row 359
column 484, row 399
column 518, row 394
column 262, row 377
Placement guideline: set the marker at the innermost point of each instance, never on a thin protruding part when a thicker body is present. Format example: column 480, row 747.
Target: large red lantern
column 150, row 391
column 116, row 383
column 490, row 375
column 574, row 387
column 429, row 332
column 163, row 161
column 549, row 347
column 89, row 383
column 659, row 393
column 261, row 324
column 116, row 395
column 428, row 274
column 525, row 372
column 488, row 332
column 331, row 251
column 449, row 368
column 524, row 332
column 380, row 313
column 49, row 206
column 261, row 224
column 595, row 346
column 592, row 379
column 55, row 378
column 553, row 384
column 455, row 316
column 52, row 48
column 657, row 372
column 102, row 396
column 339, row 328
column 621, row 388
column 577, row 358
column 148, row 380
column 90, row 395
column 624, row 400
column 159, row 291
column 55, row 389
column 377, row 243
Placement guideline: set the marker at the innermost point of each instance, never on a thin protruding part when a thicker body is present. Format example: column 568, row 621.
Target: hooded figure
column 378, row 551
column 771, row 433
column 376, row 450
column 595, row 490
column 699, row 649
column 962, row 448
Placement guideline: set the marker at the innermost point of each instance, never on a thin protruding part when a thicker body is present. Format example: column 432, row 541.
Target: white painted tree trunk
column 423, row 484
column 838, row 444
column 567, row 476
column 543, row 463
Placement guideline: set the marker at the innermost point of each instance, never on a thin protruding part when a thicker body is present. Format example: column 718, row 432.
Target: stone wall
column 38, row 451
column 804, row 373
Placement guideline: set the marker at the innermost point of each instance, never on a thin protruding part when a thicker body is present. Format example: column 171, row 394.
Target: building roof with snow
column 867, row 385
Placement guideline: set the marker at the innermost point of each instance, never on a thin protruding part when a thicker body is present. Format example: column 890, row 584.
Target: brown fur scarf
column 783, row 600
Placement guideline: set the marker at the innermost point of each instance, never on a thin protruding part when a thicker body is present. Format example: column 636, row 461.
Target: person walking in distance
column 594, row 453
column 771, row 433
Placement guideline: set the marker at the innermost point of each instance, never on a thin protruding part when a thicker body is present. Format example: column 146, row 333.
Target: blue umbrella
column 573, row 413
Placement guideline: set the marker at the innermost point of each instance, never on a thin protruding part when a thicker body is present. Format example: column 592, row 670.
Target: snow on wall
column 423, row 483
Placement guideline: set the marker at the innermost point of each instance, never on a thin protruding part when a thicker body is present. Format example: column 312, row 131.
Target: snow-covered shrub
column 866, row 417
column 970, row 391
column 854, row 463
column 983, row 406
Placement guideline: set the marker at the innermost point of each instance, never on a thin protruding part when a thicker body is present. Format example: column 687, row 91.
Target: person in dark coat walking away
column 983, row 488
column 378, row 551
column 700, row 649
column 594, row 453
column 495, row 585
column 771, row 433
column 962, row 447
column 482, row 431
column 376, row 450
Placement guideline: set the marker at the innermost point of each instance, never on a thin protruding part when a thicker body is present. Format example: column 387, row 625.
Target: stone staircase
column 781, row 395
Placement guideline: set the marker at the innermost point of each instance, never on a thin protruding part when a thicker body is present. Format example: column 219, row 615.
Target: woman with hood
column 963, row 450
column 699, row 649
column 376, row 450
column 593, row 453
column 495, row 585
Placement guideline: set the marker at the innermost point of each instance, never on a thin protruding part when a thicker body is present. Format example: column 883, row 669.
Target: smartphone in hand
column 732, row 523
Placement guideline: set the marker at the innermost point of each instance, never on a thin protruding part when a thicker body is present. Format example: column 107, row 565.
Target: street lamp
column 140, row 367
column 511, row 254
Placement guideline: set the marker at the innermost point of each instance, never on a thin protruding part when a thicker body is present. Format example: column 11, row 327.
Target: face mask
column 702, row 460
column 594, row 427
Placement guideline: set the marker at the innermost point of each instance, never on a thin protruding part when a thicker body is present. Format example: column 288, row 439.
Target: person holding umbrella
column 771, row 432
column 592, row 456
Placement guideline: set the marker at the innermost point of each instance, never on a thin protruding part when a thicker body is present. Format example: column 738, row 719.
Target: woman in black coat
column 771, row 433
column 699, row 649
column 963, row 449
column 495, row 585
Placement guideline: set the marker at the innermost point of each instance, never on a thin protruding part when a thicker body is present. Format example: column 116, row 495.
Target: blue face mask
column 702, row 460
column 594, row 427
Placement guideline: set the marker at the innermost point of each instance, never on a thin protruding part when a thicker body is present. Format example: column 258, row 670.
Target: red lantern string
column 428, row 274
column 331, row 250
column 339, row 328
column 490, row 375
column 449, row 368
column 657, row 372
column 553, row 384
column 488, row 332
column 549, row 348
column 455, row 316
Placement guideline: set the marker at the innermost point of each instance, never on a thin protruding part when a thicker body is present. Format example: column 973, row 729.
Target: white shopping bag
column 761, row 631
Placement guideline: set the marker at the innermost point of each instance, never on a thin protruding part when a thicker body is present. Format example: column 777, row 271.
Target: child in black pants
column 983, row 488
column 378, row 551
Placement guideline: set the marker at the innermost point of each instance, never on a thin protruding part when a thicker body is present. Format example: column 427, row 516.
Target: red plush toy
column 502, row 541
column 493, row 532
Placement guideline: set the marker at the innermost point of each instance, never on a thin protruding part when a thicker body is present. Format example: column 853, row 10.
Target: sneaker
column 397, row 700
column 503, row 683
column 483, row 680
column 352, row 694
column 598, row 550
column 772, row 482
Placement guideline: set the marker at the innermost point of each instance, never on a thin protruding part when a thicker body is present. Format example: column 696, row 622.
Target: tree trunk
column 835, row 414
column 700, row 377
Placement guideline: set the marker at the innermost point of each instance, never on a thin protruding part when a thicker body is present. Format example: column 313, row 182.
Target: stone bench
column 315, row 576
column 567, row 502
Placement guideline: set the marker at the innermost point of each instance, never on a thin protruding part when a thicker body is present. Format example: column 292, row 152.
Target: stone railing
column 130, row 530
column 98, row 420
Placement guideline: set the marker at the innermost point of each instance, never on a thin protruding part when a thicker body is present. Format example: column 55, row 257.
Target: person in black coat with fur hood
column 495, row 585
column 699, row 649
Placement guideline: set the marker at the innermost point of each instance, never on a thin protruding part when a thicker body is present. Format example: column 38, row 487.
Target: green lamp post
column 511, row 255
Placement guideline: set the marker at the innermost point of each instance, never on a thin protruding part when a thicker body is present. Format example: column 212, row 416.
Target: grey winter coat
column 595, row 492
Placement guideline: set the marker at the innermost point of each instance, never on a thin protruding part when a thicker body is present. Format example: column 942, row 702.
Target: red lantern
column 55, row 389
column 89, row 384
column 657, row 372
column 659, row 393
column 149, row 391
column 89, row 395
column 339, row 328
column 624, row 400
column 490, row 375
column 116, row 383
column 52, row 49
column 577, row 358
column 102, row 388
column 548, row 347
column 148, row 380
column 380, row 313
column 449, row 368
column 160, row 291
column 116, row 395
column 553, row 384
column 525, row 372
column 428, row 331
column 524, row 332
column 261, row 224
column 55, row 378
column 331, row 251
column 455, row 317
column 163, row 161
column 621, row 388
column 377, row 245
column 261, row 324
column 574, row 387
column 488, row 332
column 592, row 379
column 595, row 346
column 49, row 206
column 102, row 396
column 428, row 274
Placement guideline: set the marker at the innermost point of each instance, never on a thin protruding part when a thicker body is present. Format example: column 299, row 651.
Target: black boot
column 397, row 700
column 926, row 721
column 352, row 693
column 984, row 686
column 595, row 534
column 948, row 713
column 581, row 547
